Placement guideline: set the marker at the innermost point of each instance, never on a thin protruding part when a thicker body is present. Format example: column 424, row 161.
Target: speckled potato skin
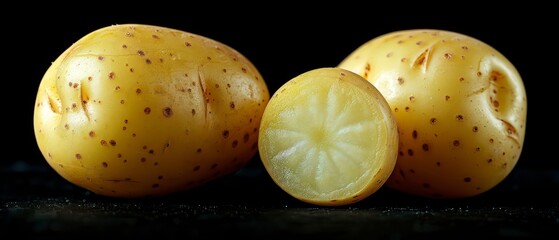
column 460, row 106
column 138, row 110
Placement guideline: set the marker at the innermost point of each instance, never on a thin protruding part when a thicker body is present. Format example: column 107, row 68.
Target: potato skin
column 137, row 110
column 460, row 106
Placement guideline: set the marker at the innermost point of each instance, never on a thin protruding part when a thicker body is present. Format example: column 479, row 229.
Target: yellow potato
column 139, row 110
column 327, row 137
column 460, row 106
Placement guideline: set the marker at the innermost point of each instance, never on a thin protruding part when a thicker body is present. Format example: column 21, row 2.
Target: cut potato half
column 328, row 137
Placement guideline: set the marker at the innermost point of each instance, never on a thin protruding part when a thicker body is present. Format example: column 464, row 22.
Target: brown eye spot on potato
column 496, row 104
column 167, row 112
column 433, row 121
column 147, row 110
column 456, row 143
column 78, row 156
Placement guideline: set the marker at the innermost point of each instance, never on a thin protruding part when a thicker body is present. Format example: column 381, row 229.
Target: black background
column 282, row 41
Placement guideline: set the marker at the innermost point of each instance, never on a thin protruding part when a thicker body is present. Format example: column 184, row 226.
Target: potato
column 139, row 110
column 460, row 106
column 328, row 137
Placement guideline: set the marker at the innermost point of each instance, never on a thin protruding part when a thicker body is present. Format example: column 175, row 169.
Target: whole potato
column 139, row 110
column 460, row 106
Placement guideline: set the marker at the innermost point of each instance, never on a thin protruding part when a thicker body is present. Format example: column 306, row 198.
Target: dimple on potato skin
column 460, row 106
column 137, row 110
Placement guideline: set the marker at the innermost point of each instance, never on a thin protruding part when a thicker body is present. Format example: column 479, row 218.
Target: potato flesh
column 135, row 110
column 328, row 138
column 460, row 107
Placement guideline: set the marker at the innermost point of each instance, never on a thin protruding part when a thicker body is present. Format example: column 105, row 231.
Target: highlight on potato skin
column 460, row 107
column 328, row 137
column 137, row 110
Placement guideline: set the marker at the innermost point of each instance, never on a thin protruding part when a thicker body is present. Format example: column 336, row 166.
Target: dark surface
column 282, row 41
column 38, row 203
